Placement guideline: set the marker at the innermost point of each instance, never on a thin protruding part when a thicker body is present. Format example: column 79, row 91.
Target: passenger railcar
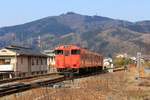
column 71, row 58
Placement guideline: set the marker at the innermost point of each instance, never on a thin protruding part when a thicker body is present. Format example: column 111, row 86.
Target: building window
column 37, row 61
column 21, row 60
column 5, row 61
column 41, row 61
column 32, row 61
column 45, row 61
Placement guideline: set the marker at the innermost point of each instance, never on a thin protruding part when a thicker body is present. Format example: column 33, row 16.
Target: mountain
column 102, row 34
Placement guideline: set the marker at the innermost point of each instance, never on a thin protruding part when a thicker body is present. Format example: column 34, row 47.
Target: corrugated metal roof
column 25, row 51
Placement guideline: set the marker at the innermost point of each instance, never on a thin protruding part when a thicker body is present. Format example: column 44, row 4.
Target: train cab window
column 67, row 53
column 74, row 52
column 59, row 52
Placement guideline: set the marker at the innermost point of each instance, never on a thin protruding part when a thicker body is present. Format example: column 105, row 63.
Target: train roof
column 92, row 52
column 67, row 46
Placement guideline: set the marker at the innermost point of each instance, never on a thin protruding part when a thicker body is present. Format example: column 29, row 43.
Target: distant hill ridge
column 98, row 33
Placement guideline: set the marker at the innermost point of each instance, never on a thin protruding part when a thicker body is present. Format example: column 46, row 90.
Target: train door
column 59, row 59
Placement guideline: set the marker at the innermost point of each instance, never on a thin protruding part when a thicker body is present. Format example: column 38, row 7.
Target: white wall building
column 107, row 63
column 50, row 60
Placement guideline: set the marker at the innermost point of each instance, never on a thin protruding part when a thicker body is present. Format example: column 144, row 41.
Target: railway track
column 30, row 83
column 10, row 88
column 27, row 84
column 23, row 78
column 13, row 89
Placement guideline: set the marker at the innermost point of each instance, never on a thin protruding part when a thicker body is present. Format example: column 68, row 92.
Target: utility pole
column 138, row 63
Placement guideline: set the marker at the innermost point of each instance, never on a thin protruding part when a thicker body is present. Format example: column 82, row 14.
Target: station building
column 16, row 61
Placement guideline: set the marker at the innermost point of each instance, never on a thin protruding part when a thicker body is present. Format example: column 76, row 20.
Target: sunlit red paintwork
column 85, row 59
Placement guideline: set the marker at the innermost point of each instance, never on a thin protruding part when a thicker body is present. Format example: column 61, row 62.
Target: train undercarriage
column 79, row 71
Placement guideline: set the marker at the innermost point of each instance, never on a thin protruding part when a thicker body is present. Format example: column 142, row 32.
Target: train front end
column 67, row 59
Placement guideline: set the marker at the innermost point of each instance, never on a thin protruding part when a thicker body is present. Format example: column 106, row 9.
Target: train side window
column 74, row 52
column 59, row 52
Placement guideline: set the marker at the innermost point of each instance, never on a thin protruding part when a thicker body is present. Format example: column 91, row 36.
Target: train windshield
column 66, row 53
column 75, row 52
column 59, row 52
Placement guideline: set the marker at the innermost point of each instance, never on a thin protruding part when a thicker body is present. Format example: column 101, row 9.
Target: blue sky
column 14, row 12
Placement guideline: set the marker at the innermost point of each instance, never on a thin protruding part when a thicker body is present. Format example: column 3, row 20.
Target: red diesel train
column 71, row 58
